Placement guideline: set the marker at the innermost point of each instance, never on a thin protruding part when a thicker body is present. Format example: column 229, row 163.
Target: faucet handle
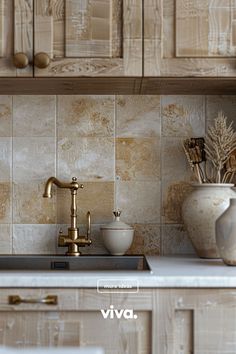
column 74, row 185
column 88, row 225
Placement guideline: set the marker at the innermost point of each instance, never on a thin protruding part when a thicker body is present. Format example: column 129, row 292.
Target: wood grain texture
column 188, row 86
column 205, row 28
column 23, row 32
column 94, row 38
column 44, row 39
column 1, row 27
column 187, row 38
column 7, row 44
column 117, row 85
column 49, row 27
column 184, row 330
column 77, row 320
column 90, row 26
column 191, row 29
column 201, row 322
column 70, row 86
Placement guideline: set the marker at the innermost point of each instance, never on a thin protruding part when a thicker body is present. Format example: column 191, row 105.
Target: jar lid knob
column 117, row 212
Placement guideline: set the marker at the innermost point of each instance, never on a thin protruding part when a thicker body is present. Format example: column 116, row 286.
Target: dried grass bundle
column 220, row 142
column 213, row 159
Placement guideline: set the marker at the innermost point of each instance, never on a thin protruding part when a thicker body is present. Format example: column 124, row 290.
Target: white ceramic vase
column 226, row 234
column 117, row 236
column 200, row 211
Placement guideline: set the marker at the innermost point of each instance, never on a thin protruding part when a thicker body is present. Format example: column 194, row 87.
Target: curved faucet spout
column 74, row 185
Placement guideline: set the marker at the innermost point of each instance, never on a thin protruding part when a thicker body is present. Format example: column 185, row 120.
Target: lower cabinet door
column 119, row 323
column 197, row 321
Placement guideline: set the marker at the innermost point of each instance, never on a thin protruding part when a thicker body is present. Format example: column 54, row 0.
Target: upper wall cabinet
column 89, row 37
column 66, row 38
column 16, row 36
column 190, row 38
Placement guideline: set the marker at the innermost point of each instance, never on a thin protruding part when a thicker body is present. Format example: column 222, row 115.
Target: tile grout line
column 56, row 168
column 115, row 133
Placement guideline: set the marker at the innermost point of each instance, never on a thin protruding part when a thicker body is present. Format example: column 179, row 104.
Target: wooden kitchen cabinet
column 77, row 320
column 199, row 321
column 16, row 35
column 81, row 37
column 170, row 321
column 89, row 38
column 190, row 38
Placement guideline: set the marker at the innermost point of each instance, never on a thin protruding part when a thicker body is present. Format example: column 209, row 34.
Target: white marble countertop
column 167, row 272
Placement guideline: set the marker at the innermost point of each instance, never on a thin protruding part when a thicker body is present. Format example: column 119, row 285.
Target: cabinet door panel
column 6, row 38
column 1, row 27
column 190, row 38
column 199, row 322
column 89, row 37
column 16, row 35
column 76, row 320
column 23, row 32
column 86, row 328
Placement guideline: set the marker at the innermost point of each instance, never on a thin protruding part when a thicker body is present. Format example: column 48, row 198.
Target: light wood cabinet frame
column 189, row 38
column 116, row 41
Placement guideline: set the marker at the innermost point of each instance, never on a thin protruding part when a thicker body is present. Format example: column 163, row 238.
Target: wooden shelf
column 118, row 85
column 189, row 86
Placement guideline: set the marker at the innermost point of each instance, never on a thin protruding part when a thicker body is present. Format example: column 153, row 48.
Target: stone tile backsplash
column 127, row 151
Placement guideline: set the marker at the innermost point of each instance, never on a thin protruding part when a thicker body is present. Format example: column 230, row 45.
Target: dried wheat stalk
column 220, row 142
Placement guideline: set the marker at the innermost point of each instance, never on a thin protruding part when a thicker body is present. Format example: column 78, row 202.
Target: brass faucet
column 73, row 240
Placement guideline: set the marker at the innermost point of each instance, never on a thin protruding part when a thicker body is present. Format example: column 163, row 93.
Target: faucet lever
column 88, row 225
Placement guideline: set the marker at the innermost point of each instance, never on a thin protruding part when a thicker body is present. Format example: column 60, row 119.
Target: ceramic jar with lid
column 117, row 236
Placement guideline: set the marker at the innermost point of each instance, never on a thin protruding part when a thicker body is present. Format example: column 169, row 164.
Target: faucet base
column 73, row 254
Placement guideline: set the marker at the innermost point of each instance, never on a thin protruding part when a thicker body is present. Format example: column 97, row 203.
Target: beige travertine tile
column 86, row 116
column 34, row 116
column 89, row 159
column 33, row 158
column 174, row 161
column 183, row 116
column 147, row 239
column 97, row 197
column 175, row 240
column 29, row 206
column 152, row 238
column 138, row 116
column 5, row 239
column 5, row 159
column 139, row 201
column 176, row 179
column 173, row 195
column 6, row 116
column 138, row 159
column 96, row 247
column 226, row 104
column 34, row 239
column 137, row 246
column 5, row 203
